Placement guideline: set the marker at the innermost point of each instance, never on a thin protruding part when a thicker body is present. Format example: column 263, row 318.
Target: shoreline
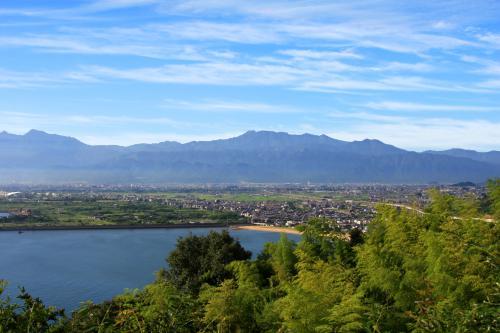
column 285, row 230
column 120, row 226
column 235, row 227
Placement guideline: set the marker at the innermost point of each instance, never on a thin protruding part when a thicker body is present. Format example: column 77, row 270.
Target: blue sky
column 416, row 74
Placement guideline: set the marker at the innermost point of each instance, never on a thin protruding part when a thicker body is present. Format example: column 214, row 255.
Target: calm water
column 2, row 214
column 65, row 268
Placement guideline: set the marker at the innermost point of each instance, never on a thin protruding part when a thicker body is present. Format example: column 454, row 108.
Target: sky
column 416, row 74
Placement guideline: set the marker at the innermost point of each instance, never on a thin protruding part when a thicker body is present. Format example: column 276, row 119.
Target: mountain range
column 255, row 156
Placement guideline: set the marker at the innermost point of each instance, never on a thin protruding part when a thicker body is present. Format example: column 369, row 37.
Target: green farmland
column 109, row 212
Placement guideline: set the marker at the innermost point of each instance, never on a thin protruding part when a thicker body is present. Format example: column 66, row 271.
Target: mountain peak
column 34, row 132
column 253, row 133
column 41, row 137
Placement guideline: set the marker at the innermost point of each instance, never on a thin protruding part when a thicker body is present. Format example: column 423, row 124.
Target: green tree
column 159, row 307
column 282, row 259
column 202, row 259
column 318, row 238
column 318, row 287
column 494, row 196
column 237, row 304
column 29, row 316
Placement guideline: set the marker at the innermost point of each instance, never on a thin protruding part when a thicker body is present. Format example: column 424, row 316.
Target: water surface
column 66, row 267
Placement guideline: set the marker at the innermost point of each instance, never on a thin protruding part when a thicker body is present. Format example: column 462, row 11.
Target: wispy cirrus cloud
column 384, row 28
column 216, row 73
column 302, row 54
column 388, row 83
column 106, row 5
column 491, row 38
column 366, row 116
column 396, row 66
column 75, row 12
column 420, row 133
column 436, row 133
column 229, row 106
column 490, row 84
column 87, row 127
column 268, row 74
column 15, row 79
column 36, row 120
column 83, row 45
column 231, row 32
column 420, row 107
column 486, row 66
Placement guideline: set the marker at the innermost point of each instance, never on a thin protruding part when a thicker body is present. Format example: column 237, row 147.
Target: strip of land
column 284, row 230
column 152, row 226
column 114, row 226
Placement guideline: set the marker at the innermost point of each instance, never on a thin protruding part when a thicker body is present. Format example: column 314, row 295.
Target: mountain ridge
column 254, row 156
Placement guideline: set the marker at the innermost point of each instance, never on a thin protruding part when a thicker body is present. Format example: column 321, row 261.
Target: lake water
column 2, row 215
column 66, row 267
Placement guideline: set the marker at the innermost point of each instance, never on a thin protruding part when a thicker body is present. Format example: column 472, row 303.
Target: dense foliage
column 202, row 259
column 29, row 315
column 432, row 271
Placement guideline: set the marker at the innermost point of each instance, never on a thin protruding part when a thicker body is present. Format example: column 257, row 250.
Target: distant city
column 350, row 206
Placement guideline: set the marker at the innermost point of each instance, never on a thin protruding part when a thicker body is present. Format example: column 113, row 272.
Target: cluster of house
column 348, row 214
column 332, row 201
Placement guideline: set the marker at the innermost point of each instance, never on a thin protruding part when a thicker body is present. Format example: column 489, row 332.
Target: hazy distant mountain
column 488, row 157
column 252, row 157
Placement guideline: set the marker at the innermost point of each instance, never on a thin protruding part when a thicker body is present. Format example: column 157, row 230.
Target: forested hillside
column 411, row 272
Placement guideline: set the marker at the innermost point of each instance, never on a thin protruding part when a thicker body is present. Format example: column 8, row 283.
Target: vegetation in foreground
column 411, row 272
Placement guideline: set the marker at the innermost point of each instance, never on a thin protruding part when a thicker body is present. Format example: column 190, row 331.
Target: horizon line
column 33, row 130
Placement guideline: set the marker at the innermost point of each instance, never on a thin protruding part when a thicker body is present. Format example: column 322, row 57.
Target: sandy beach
column 268, row 229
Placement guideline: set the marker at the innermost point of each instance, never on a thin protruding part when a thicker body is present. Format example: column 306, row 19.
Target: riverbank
column 284, row 230
column 120, row 226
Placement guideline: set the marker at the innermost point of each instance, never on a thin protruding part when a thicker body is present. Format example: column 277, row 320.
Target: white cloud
column 490, row 84
column 443, row 25
column 14, row 79
column 216, row 73
column 421, row 134
column 284, row 10
column 397, row 66
column 391, row 83
column 320, row 77
column 229, row 106
column 81, row 44
column 315, row 54
column 418, row 107
column 488, row 67
column 230, row 32
column 491, row 38
column 106, row 5
column 365, row 116
column 76, row 12
column 116, row 120
column 24, row 121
